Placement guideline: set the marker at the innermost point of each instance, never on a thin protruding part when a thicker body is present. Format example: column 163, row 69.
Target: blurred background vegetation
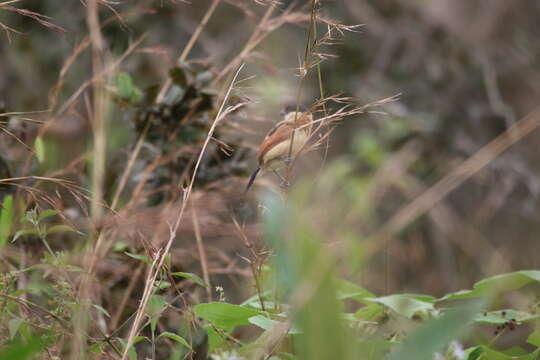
column 466, row 71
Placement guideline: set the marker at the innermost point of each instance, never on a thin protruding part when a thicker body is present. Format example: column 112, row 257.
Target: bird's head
column 300, row 114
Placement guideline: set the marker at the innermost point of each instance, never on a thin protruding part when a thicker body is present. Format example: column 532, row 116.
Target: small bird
column 274, row 150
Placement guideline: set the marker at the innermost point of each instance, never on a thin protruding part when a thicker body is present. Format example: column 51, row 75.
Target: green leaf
column 214, row 338
column 22, row 350
column 368, row 312
column 267, row 324
column 474, row 353
column 436, row 334
column 25, row 232
column 120, row 246
column 47, row 213
column 161, row 285
column 405, row 304
column 126, row 89
column 502, row 316
column 102, row 310
column 496, row 284
column 132, row 354
column 349, row 290
column 6, row 219
column 124, row 85
column 142, row 258
column 534, row 339
column 39, row 148
column 191, row 276
column 156, row 304
column 62, row 228
column 176, row 338
column 225, row 315
column 140, row 338
column 13, row 326
column 491, row 354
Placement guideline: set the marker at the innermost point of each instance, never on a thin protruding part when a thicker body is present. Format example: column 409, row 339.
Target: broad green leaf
column 156, row 304
column 267, row 324
column 25, row 232
column 47, row 213
column 6, row 219
column 214, row 339
column 501, row 316
column 255, row 302
column 436, row 334
column 496, row 284
column 534, row 339
column 225, row 315
column 142, row 258
column 176, row 338
column 193, row 277
column 406, row 305
column 490, row 354
column 369, row 312
column 349, row 290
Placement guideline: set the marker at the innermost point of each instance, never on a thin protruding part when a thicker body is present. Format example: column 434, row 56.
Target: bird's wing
column 279, row 133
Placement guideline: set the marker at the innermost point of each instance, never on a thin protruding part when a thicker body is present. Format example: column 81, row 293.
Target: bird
column 275, row 150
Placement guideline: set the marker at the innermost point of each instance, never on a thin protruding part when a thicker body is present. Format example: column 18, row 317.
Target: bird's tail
column 252, row 178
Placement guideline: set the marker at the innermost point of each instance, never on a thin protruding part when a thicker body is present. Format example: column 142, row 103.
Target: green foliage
column 176, row 338
column 23, row 350
column 39, row 147
column 6, row 219
column 408, row 305
column 224, row 315
column 308, row 306
column 191, row 276
column 496, row 284
column 436, row 334
column 126, row 90
column 502, row 316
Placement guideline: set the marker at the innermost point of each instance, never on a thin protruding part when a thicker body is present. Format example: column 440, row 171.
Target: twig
column 201, row 250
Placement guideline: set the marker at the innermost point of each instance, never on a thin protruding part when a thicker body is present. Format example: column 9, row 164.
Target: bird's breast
column 274, row 156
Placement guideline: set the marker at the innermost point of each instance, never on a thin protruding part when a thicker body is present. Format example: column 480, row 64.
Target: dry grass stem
column 153, row 273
